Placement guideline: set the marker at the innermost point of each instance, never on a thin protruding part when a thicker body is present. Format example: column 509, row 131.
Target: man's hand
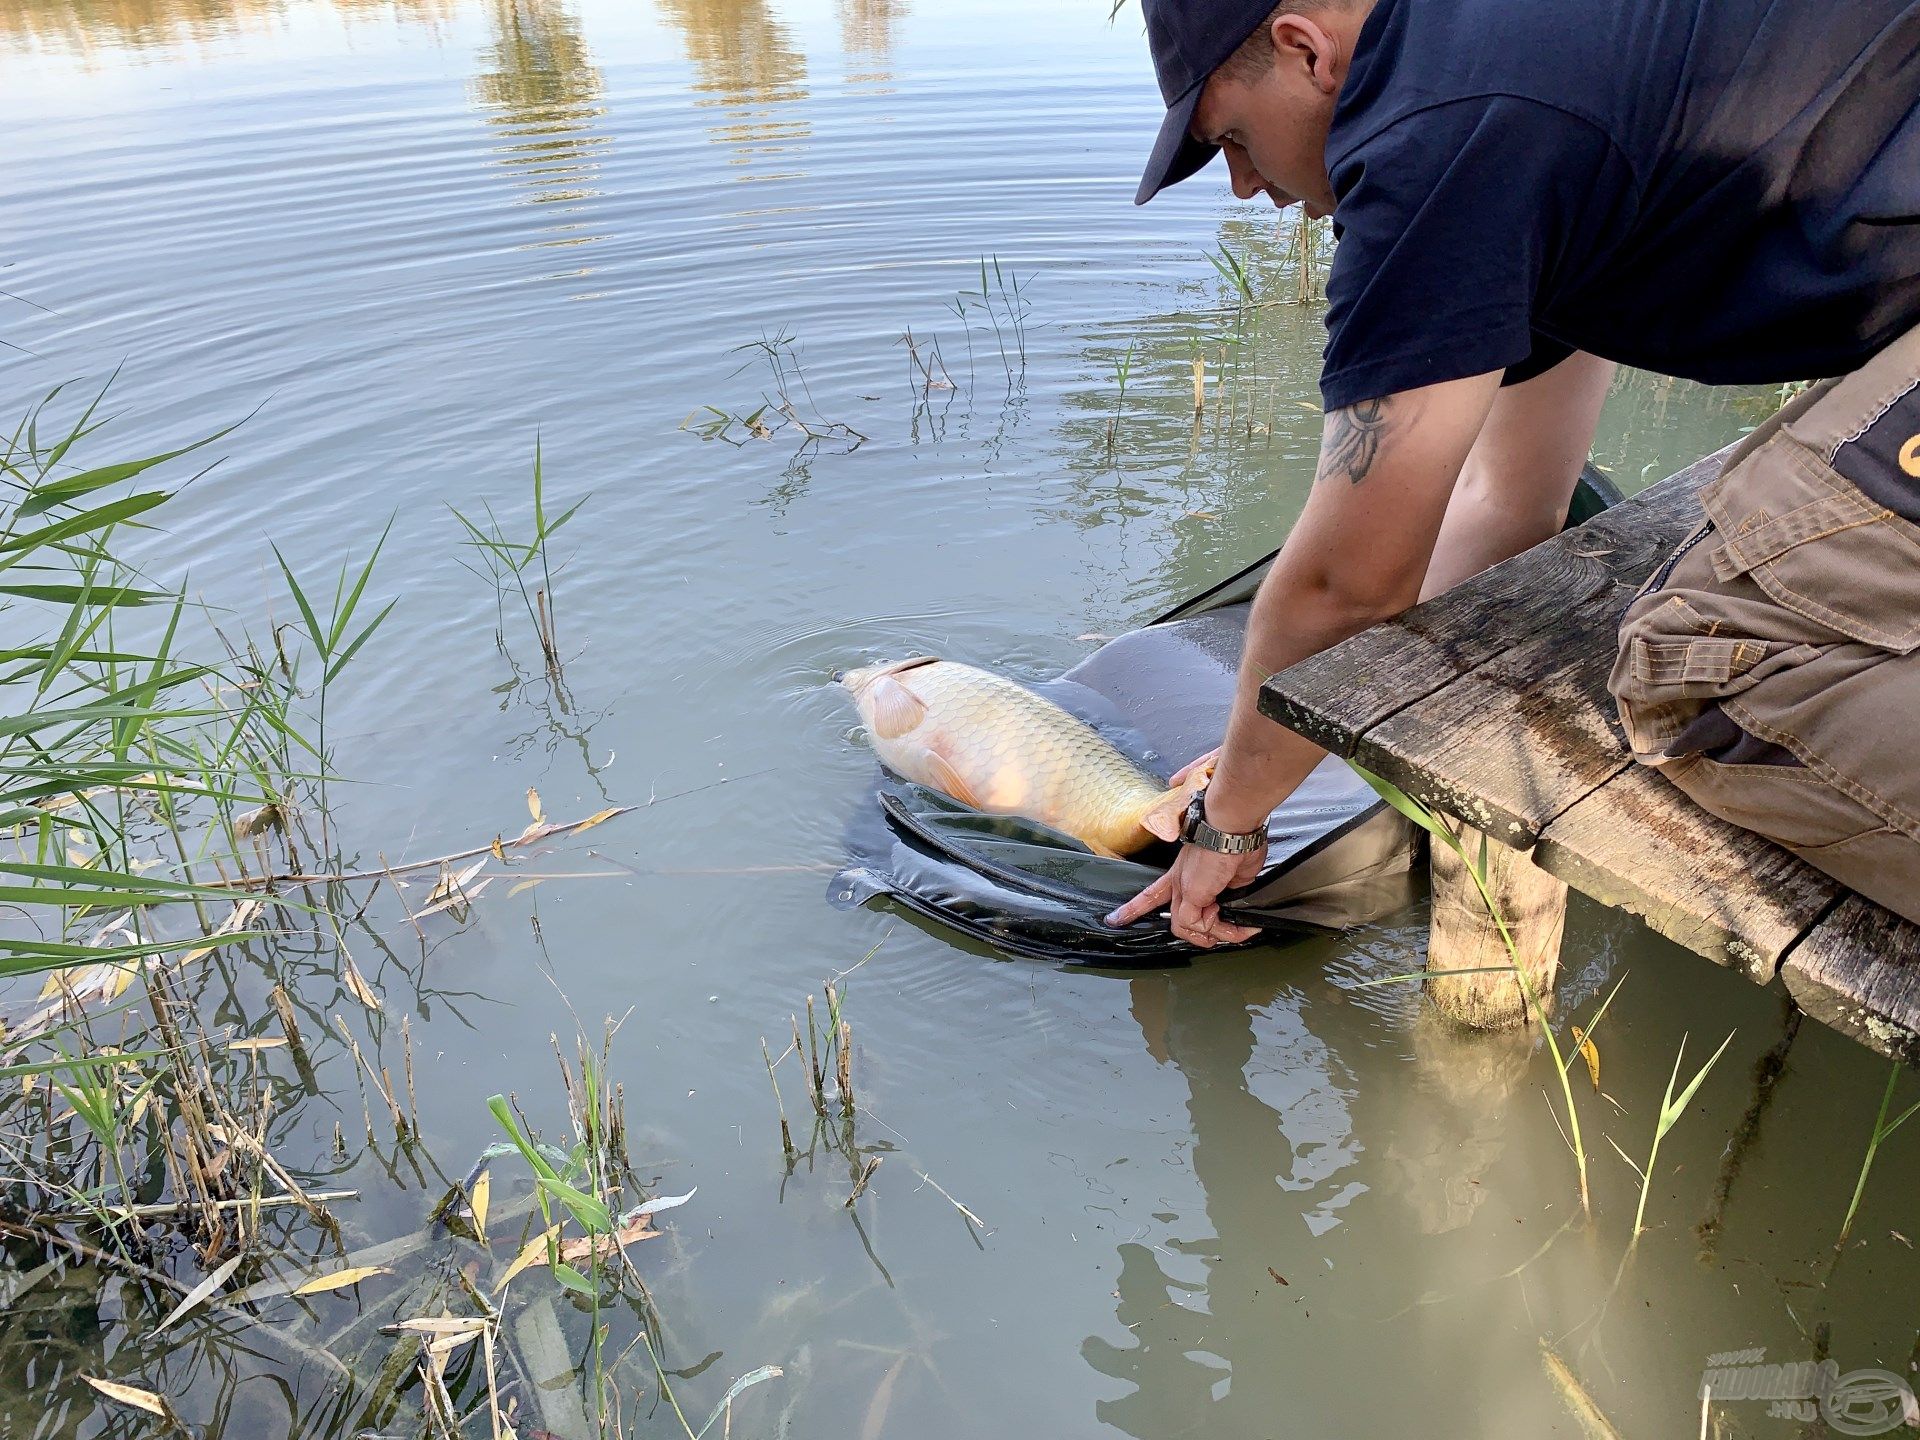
column 1192, row 891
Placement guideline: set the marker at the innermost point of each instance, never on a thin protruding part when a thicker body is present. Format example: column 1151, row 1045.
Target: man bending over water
column 1526, row 192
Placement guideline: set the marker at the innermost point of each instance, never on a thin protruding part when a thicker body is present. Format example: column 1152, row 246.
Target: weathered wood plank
column 1344, row 691
column 1858, row 970
column 1520, row 739
column 1639, row 844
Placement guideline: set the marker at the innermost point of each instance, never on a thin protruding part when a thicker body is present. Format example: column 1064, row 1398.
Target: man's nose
column 1247, row 181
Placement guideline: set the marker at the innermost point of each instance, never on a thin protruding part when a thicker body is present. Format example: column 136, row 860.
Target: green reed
column 1672, row 1107
column 1883, row 1128
column 509, row 560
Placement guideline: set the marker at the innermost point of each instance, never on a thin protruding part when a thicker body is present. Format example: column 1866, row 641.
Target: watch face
column 1196, row 815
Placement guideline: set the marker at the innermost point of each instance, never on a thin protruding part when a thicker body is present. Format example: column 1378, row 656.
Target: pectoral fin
column 896, row 709
column 1163, row 817
column 943, row 776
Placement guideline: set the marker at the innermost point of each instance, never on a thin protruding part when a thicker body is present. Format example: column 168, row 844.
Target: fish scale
column 1001, row 748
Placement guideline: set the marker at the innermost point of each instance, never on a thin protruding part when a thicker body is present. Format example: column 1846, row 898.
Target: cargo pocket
column 1808, row 537
column 1679, row 653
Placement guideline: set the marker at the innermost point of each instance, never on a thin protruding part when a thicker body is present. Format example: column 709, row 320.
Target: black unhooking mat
column 1337, row 856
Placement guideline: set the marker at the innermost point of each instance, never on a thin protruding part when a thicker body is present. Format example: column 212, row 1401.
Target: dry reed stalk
column 379, row 1083
column 617, row 1125
column 533, row 834
column 182, row 1209
column 282, row 1006
column 866, row 1174
column 786, row 1135
column 197, row 1162
column 1199, row 384
column 405, row 909
column 406, row 1042
column 846, row 1068
column 817, row 1074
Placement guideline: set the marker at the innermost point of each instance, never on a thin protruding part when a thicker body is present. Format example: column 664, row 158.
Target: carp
column 998, row 747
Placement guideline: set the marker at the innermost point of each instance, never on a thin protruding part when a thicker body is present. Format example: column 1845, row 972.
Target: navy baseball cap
column 1190, row 39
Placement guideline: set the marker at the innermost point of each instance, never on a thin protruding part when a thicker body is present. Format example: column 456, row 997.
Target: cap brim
column 1176, row 154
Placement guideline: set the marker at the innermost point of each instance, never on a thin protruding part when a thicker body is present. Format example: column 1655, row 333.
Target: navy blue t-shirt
column 1725, row 190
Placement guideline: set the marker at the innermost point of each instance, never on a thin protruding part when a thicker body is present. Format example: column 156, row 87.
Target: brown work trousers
column 1771, row 666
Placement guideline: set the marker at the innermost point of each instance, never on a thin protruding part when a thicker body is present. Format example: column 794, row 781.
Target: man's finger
column 1204, row 762
column 1190, row 923
column 1145, row 903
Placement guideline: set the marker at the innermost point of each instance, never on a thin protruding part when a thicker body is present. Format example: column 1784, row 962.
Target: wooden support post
column 1464, row 936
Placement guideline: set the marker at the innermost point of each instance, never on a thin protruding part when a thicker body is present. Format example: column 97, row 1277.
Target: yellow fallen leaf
column 597, row 817
column 442, row 1325
column 520, row 885
column 533, row 805
column 575, row 1251
column 499, row 853
column 362, row 991
column 534, row 1251
column 482, row 1194
column 1591, row 1052
column 128, row 1395
column 114, row 982
column 454, row 890
column 339, row 1279
column 444, row 1345
column 238, row 918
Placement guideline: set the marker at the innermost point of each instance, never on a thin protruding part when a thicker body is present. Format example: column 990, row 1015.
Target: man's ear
column 1307, row 48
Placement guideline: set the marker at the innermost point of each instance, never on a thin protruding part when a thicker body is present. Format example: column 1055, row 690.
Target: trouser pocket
column 1813, row 542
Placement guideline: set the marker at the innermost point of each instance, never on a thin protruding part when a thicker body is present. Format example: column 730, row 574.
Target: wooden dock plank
column 1638, row 844
column 1338, row 695
column 1520, row 739
column 1858, row 970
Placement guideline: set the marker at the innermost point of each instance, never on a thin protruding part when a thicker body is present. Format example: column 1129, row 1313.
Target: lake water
column 412, row 238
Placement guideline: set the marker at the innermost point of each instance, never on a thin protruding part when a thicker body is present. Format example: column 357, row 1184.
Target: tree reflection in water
column 542, row 91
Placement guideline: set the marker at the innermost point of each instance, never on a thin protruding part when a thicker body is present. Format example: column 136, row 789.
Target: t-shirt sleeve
column 1456, row 225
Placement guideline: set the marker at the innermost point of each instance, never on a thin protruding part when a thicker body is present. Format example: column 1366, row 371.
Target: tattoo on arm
column 1353, row 439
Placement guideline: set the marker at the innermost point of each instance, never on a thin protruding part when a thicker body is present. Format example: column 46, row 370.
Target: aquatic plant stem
column 1882, row 1128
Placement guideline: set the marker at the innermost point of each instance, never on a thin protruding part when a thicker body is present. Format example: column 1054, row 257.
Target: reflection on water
column 749, row 66
column 82, row 25
column 543, row 89
column 867, row 36
column 1273, row 1144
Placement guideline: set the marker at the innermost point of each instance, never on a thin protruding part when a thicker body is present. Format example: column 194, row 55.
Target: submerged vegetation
column 173, row 866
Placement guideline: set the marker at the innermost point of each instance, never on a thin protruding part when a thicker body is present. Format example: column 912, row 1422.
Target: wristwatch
column 1194, row 830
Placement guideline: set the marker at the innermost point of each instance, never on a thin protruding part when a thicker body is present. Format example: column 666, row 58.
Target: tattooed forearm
column 1353, row 438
